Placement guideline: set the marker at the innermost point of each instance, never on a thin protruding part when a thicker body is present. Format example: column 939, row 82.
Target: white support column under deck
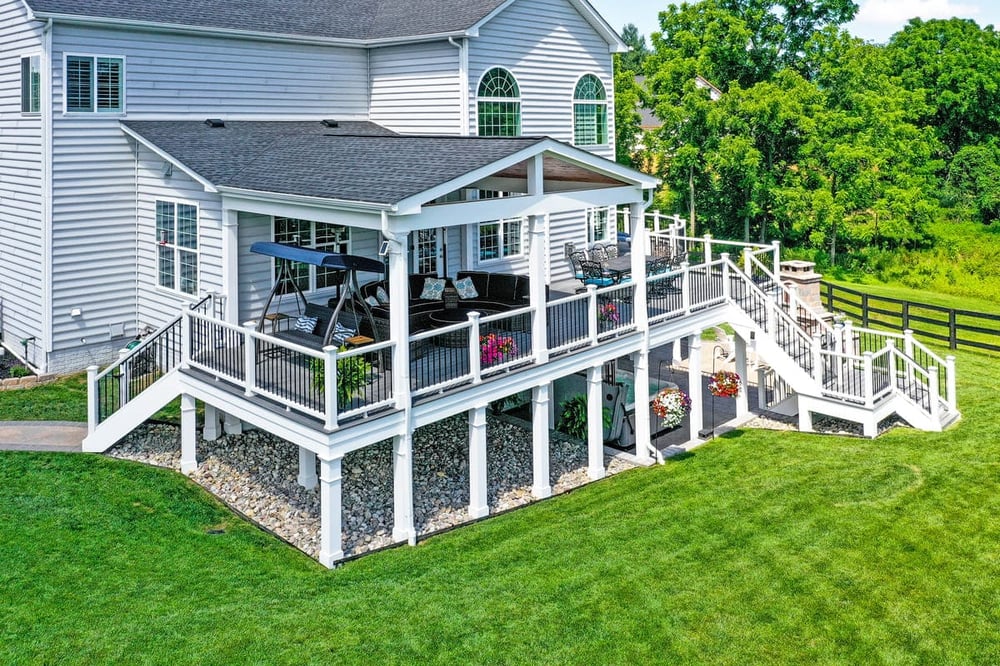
column 697, row 416
column 307, row 468
column 189, row 434
column 643, row 430
column 331, row 512
column 595, row 423
column 212, row 429
column 478, row 503
column 740, row 360
column 541, row 405
column 402, row 493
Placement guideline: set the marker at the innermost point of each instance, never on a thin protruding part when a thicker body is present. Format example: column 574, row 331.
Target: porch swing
column 318, row 326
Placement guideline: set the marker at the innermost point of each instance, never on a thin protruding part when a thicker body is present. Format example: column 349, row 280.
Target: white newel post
column 189, row 434
column 331, row 502
column 249, row 357
column 697, row 416
column 93, row 408
column 776, row 258
column 541, row 405
column 950, row 384
column 742, row 369
column 595, row 423
column 307, row 468
column 727, row 288
column 536, row 267
column 643, row 429
column 478, row 503
column 708, row 248
column 402, row 494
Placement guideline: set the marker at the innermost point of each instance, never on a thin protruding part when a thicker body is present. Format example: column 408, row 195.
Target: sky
column 876, row 20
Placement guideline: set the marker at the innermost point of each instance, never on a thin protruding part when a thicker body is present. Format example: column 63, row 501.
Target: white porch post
column 331, row 505
column 189, row 434
column 740, row 360
column 697, row 415
column 307, row 468
column 595, row 423
column 643, row 430
column 478, row 504
column 211, row 430
column 402, row 489
column 536, row 264
column 230, row 264
column 399, row 317
column 541, row 405
column 640, row 312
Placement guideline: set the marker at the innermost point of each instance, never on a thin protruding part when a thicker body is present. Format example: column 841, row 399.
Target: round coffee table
column 460, row 338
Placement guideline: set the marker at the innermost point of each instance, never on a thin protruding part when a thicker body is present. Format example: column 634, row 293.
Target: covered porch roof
column 363, row 167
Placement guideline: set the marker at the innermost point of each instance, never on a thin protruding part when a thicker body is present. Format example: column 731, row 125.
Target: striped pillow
column 306, row 324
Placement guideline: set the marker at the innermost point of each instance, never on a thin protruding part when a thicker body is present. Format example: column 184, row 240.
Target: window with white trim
column 597, row 225
column 318, row 236
column 501, row 239
column 31, row 84
column 590, row 112
column 177, row 250
column 498, row 106
column 95, row 84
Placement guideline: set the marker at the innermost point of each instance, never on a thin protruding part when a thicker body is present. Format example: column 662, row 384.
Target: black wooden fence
column 954, row 327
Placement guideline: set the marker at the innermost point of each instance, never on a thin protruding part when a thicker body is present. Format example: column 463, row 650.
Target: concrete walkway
column 64, row 436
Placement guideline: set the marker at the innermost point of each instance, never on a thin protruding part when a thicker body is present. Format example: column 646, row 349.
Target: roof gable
column 346, row 20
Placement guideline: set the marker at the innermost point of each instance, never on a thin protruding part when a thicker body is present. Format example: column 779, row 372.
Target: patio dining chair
column 599, row 253
column 576, row 258
column 612, row 250
column 593, row 273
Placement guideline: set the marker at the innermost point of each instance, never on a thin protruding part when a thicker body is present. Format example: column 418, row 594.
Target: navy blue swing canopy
column 348, row 264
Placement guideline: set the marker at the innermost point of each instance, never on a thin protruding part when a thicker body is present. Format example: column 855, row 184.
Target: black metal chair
column 593, row 273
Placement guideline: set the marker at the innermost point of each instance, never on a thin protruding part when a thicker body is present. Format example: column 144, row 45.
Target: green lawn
column 759, row 548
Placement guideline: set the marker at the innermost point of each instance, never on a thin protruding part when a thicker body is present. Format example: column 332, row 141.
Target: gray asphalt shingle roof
column 358, row 161
column 331, row 19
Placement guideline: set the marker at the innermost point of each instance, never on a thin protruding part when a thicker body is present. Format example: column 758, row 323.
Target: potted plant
column 573, row 420
column 495, row 349
column 724, row 384
column 671, row 405
column 353, row 373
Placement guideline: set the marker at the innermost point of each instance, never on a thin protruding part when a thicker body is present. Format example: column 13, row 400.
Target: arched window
column 499, row 104
column 590, row 112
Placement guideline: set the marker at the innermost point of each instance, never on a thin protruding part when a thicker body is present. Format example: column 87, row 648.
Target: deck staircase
column 861, row 375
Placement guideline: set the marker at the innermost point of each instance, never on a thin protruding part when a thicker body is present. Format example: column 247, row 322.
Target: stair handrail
column 903, row 378
column 814, row 318
column 137, row 361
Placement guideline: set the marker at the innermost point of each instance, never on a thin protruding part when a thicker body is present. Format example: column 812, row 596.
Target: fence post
column 906, row 319
column 93, row 404
column 952, row 329
column 864, row 310
column 249, row 358
column 475, row 364
column 869, row 390
column 829, row 296
column 330, row 387
column 951, row 395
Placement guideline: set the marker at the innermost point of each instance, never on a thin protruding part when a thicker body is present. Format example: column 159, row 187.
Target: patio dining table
column 619, row 268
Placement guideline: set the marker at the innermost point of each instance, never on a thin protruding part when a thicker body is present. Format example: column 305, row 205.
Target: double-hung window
column 177, row 250
column 318, row 236
column 597, row 225
column 500, row 239
column 31, row 84
column 95, row 83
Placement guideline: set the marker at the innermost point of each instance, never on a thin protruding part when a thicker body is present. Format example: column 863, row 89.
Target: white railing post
column 748, row 262
column 187, row 339
column 891, row 363
column 475, row 366
column 776, row 259
column 708, row 248
column 330, row 386
column 249, row 357
column 93, row 413
column 656, row 221
column 934, row 388
column 124, row 378
column 592, row 327
column 951, row 392
column 838, row 348
column 686, row 286
column 817, row 350
column 908, row 350
column 849, row 346
column 869, row 387
column 727, row 289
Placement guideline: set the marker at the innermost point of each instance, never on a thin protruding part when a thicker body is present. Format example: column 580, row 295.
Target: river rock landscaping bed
column 256, row 474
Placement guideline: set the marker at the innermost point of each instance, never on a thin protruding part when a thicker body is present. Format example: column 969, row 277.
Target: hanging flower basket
column 671, row 405
column 724, row 384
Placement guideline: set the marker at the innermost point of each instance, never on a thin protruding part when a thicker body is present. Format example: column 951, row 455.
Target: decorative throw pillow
column 382, row 296
column 372, row 301
column 465, row 288
column 433, row 289
column 306, row 324
column 341, row 333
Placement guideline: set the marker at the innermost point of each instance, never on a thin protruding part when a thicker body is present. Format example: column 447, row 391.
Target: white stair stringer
column 133, row 414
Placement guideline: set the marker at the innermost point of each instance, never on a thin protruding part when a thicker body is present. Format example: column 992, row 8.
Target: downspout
column 46, row 101
column 463, row 83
